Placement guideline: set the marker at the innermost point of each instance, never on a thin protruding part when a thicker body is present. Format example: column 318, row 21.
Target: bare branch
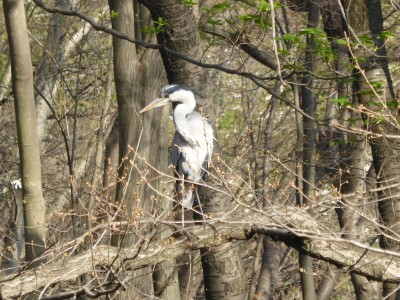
column 146, row 45
column 360, row 258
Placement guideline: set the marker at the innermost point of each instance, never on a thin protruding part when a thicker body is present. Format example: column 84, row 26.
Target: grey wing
column 177, row 156
column 178, row 160
column 175, row 153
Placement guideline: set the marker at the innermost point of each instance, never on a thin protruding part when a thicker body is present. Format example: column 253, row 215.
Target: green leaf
column 188, row 3
column 394, row 104
column 342, row 101
column 366, row 92
column 159, row 26
column 353, row 121
column 289, row 37
column 264, row 6
column 375, row 103
column 248, row 17
column 218, row 7
column 262, row 23
column 376, row 84
column 366, row 39
column 215, row 22
column 380, row 119
column 385, row 34
column 341, row 42
column 113, row 15
column 312, row 31
column 349, row 80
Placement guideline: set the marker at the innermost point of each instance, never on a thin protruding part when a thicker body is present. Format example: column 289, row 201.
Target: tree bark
column 30, row 166
column 270, row 270
column 181, row 34
column 138, row 78
column 46, row 75
column 309, row 146
column 272, row 251
column 385, row 153
column 353, row 156
column 125, row 73
column 5, row 83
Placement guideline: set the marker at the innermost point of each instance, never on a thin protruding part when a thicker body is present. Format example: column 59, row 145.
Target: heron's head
column 175, row 94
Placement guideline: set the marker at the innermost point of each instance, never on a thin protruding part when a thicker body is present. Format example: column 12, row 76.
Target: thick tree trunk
column 181, row 34
column 22, row 77
column 222, row 266
column 223, row 273
column 138, row 78
column 125, row 69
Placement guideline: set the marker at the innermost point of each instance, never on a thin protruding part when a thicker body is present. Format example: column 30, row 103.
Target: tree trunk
column 181, row 34
column 138, row 78
column 272, row 251
column 385, row 151
column 46, row 75
column 13, row 238
column 30, row 166
column 386, row 154
column 309, row 147
column 5, row 83
column 270, row 269
column 353, row 156
column 125, row 73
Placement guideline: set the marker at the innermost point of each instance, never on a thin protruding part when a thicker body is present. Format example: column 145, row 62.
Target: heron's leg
column 183, row 215
column 201, row 207
column 182, row 197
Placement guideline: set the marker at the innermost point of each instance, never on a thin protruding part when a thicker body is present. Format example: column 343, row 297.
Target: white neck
column 181, row 122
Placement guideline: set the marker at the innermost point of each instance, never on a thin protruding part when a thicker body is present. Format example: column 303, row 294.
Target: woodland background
column 302, row 197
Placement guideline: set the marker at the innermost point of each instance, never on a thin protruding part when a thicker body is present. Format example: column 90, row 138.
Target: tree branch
column 146, row 45
column 360, row 258
column 254, row 52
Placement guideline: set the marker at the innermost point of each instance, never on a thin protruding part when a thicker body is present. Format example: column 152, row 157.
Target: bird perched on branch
column 192, row 144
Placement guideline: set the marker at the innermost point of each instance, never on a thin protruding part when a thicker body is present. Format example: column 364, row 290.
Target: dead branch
column 305, row 234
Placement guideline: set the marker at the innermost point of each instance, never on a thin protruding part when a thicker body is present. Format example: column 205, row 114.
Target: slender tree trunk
column 272, row 251
column 5, row 82
column 22, row 77
column 13, row 238
column 270, row 269
column 309, row 147
column 46, row 76
column 385, row 153
column 353, row 155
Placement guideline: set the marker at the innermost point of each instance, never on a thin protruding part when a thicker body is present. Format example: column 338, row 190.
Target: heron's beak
column 156, row 103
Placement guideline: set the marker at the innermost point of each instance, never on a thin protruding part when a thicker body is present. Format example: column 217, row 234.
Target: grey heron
column 192, row 143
